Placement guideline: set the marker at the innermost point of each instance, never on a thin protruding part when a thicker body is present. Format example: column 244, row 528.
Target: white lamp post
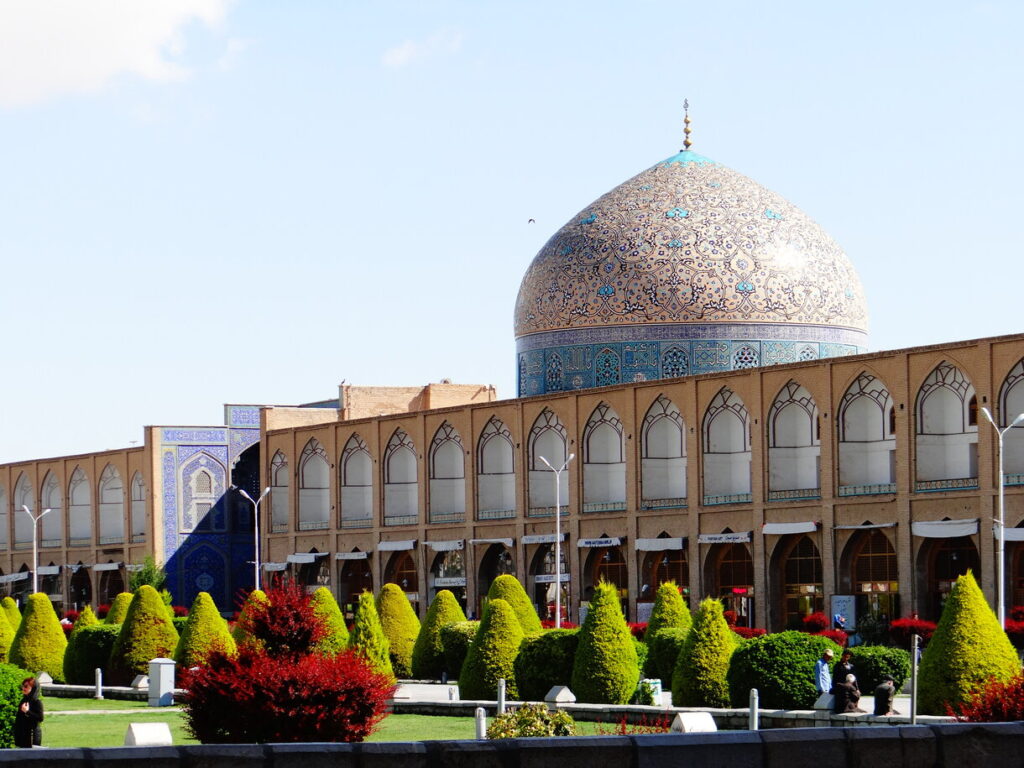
column 256, row 525
column 558, row 535
column 35, row 544
column 1001, row 521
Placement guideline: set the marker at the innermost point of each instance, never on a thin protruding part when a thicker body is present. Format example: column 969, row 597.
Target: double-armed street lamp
column 1001, row 519
column 558, row 535
column 35, row 543
column 255, row 525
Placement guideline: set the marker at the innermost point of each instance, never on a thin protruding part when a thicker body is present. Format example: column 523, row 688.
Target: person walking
column 822, row 672
column 27, row 731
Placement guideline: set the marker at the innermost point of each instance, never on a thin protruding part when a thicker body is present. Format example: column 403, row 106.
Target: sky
column 207, row 201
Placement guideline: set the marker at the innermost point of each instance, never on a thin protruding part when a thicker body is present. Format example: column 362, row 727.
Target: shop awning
column 1009, row 534
column 724, row 538
column 504, row 542
column 107, row 566
column 608, row 541
column 396, row 546
column 540, row 538
column 452, row 545
column 304, row 558
column 944, row 529
column 48, row 570
column 863, row 527
column 784, row 529
column 351, row 555
column 274, row 566
column 659, row 545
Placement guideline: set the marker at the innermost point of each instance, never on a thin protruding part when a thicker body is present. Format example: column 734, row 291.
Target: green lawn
column 56, row 704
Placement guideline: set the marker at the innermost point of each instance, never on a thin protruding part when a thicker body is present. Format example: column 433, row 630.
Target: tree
column 492, row 654
column 699, row 678
column 241, row 637
column 400, row 625
column 507, row 587
column 39, row 642
column 119, row 608
column 146, row 633
column 669, row 611
column 151, row 573
column 13, row 614
column 367, row 638
column 325, row 607
column 428, row 650
column 968, row 650
column 605, row 669
column 205, row 631
column 544, row 661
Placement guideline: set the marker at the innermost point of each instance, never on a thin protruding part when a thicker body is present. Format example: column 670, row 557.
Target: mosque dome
column 688, row 267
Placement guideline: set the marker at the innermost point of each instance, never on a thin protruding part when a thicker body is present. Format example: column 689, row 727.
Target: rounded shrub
column 85, row 619
column 10, row 697
column 428, row 651
column 968, row 650
column 147, row 633
column 544, row 661
column 39, row 642
column 89, row 649
column 325, row 607
column 605, row 668
column 699, row 677
column 367, row 638
column 119, row 608
column 13, row 614
column 531, row 720
column 455, row 638
column 669, row 610
column 662, row 651
column 781, row 667
column 204, row 632
column 873, row 662
column 492, row 654
column 400, row 625
column 239, row 632
column 507, row 587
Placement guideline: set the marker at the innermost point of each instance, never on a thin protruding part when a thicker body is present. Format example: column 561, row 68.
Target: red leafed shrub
column 1017, row 613
column 1015, row 631
column 645, row 725
column 102, row 611
column 815, row 623
column 996, row 703
column 285, row 622
column 730, row 618
column 179, row 610
column 638, row 629
column 837, row 636
column 550, row 624
column 749, row 632
column 71, row 615
column 901, row 629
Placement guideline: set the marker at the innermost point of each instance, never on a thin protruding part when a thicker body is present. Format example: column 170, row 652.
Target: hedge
column 204, row 632
column 40, row 641
column 88, row 649
column 544, row 661
column 428, row 651
column 147, row 633
column 507, row 587
column 781, row 667
column 605, row 669
column 662, row 651
column 492, row 654
column 10, row 697
column 85, row 619
column 400, row 625
column 872, row 662
column 455, row 639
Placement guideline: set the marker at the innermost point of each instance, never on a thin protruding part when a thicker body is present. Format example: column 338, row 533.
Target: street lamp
column 35, row 544
column 255, row 524
column 1001, row 521
column 558, row 535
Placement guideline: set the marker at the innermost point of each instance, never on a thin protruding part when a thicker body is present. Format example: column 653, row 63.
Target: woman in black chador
column 27, row 732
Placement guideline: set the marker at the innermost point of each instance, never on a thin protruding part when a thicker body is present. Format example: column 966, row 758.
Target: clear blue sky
column 205, row 201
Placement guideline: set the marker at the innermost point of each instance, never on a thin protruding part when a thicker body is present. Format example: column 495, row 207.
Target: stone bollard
column 754, row 704
column 481, row 723
column 99, row 684
column 161, row 682
column 501, row 696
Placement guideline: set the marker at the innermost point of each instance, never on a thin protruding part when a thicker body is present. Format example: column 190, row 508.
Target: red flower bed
column 996, row 703
column 102, row 611
column 550, row 624
column 901, row 629
column 179, row 610
column 645, row 725
column 749, row 632
column 815, row 623
column 71, row 615
column 837, row 636
column 639, row 629
column 1015, row 631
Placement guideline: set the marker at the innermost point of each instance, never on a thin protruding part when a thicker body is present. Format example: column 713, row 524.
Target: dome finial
column 686, row 126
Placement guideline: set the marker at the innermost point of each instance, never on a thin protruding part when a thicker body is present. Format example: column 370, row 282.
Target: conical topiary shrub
column 669, row 612
column 699, row 678
column 118, row 608
column 507, row 587
column 605, row 670
column 86, row 618
column 238, row 633
column 967, row 650
column 492, row 654
column 205, row 631
column 146, row 633
column 6, row 637
column 428, row 651
column 326, row 608
column 13, row 614
column 367, row 636
column 400, row 625
column 40, row 642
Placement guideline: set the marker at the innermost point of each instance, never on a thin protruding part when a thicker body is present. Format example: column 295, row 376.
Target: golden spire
column 686, row 126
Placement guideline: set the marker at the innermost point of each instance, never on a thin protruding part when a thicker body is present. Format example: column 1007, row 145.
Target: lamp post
column 255, row 526
column 1001, row 521
column 35, row 544
column 558, row 535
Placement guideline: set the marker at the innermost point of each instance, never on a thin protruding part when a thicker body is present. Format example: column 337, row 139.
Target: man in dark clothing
column 27, row 732
column 847, row 696
column 844, row 668
column 884, row 694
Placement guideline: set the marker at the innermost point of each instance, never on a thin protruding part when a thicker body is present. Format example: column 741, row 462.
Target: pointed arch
column 203, row 482
column 604, row 461
column 867, row 438
column 495, row 479
column 1011, row 404
column 794, row 445
column 356, row 475
column 447, row 476
column 79, row 509
column 280, row 480
column 111, row 496
column 663, row 456
column 52, row 524
column 24, row 496
column 401, row 480
column 547, row 439
column 947, row 430
column 314, row 487
column 5, row 529
column 137, row 513
column 607, row 369
column 798, row 565
column 726, row 431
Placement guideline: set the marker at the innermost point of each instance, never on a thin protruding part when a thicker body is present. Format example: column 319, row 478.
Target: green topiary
column 669, row 611
column 544, row 661
column 428, row 652
column 39, row 642
column 605, row 669
column 119, row 608
column 699, row 678
column 968, row 650
column 88, row 649
column 238, row 632
column 85, row 619
column 492, row 654
column 168, row 599
column 507, row 587
column 147, row 633
column 13, row 614
column 455, row 639
column 205, row 631
column 400, row 625
column 10, row 697
column 367, row 636
column 871, row 662
column 662, row 651
column 6, row 637
column 326, row 608
column 781, row 667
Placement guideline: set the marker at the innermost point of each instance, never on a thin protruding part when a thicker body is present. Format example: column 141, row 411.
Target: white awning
column 540, row 538
column 864, row 527
column 659, row 545
column 944, row 529
column 608, row 541
column 452, row 545
column 21, row 576
column 506, row 542
column 450, row 581
column 723, row 538
column 304, row 558
column 396, row 546
column 75, row 566
column 783, row 529
column 134, row 567
column 106, row 566
column 351, row 555
column 48, row 570
column 1009, row 534
column 274, row 566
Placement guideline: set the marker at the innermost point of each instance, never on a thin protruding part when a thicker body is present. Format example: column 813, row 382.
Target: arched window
column 660, row 567
column 496, row 479
column 5, row 530
column 875, row 577
column 542, row 575
column 314, row 488
column 547, row 439
column 1011, row 405
column 51, row 533
column 24, row 496
column 867, row 439
column 663, row 456
column 607, row 564
column 947, row 441
column 79, row 510
column 947, row 560
column 138, row 509
column 402, row 571
column 794, row 448
column 401, row 484
column 726, row 450
column 604, row 462
column 111, row 506
column 448, row 571
column 447, row 476
column 734, row 577
column 801, row 581
column 279, row 482
column 356, row 485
